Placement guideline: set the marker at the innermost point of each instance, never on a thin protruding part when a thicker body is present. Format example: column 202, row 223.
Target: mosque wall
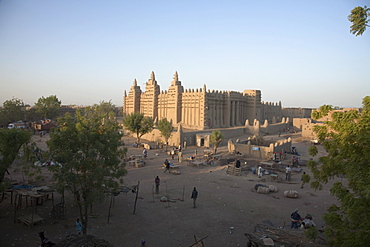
column 199, row 109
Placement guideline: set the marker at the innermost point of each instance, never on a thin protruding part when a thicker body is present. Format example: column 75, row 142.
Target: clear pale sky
column 298, row 52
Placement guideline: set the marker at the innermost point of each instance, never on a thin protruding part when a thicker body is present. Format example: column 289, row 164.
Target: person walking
column 179, row 155
column 194, row 196
column 259, row 172
column 288, row 171
column 305, row 179
column 78, row 226
column 157, row 181
column 167, row 164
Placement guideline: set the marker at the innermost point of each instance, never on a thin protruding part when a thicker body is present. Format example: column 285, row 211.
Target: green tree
column 313, row 151
column 12, row 110
column 216, row 139
column 346, row 138
column 88, row 147
column 11, row 141
column 321, row 112
column 48, row 107
column 165, row 128
column 32, row 115
column 139, row 124
column 360, row 18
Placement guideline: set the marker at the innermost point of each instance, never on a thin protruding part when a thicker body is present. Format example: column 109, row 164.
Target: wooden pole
column 110, row 206
column 15, row 209
column 168, row 198
column 183, row 192
column 197, row 241
column 137, row 193
column 153, row 192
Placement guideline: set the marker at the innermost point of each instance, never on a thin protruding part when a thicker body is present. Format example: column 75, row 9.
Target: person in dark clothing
column 237, row 164
column 194, row 196
column 157, row 182
column 295, row 218
column 167, row 164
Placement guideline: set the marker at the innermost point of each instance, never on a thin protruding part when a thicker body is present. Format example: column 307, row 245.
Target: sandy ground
column 224, row 201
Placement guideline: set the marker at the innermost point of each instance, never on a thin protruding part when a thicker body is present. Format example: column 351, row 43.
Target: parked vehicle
column 315, row 141
column 17, row 125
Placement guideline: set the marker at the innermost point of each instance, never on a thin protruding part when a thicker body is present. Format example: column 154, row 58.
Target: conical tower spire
column 152, row 76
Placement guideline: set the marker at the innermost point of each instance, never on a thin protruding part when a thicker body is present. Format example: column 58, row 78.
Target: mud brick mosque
column 201, row 108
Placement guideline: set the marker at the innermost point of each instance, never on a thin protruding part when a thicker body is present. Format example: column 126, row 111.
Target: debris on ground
column 267, row 233
column 86, row 241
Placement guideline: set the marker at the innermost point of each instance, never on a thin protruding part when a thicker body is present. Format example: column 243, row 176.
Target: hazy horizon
column 299, row 53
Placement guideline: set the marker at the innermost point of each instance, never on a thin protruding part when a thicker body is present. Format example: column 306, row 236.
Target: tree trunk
column 137, row 138
column 79, row 205
column 85, row 221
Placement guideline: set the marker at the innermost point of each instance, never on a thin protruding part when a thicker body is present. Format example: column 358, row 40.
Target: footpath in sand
column 224, row 201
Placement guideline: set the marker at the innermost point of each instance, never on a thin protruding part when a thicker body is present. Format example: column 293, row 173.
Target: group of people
column 177, row 151
column 298, row 222
column 278, row 156
column 295, row 161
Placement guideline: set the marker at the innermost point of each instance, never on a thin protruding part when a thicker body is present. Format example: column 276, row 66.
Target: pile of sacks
column 265, row 189
column 291, row 193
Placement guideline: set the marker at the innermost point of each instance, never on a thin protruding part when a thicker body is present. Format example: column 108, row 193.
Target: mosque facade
column 201, row 108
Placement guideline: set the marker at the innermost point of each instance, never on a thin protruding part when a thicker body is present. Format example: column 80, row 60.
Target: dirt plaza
column 224, row 202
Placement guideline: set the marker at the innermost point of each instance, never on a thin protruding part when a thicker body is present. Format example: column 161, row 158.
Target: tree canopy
column 32, row 115
column 216, row 139
column 12, row 110
column 138, row 124
column 88, row 147
column 360, row 18
column 48, row 107
column 166, row 128
column 11, row 141
column 346, row 138
column 321, row 112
